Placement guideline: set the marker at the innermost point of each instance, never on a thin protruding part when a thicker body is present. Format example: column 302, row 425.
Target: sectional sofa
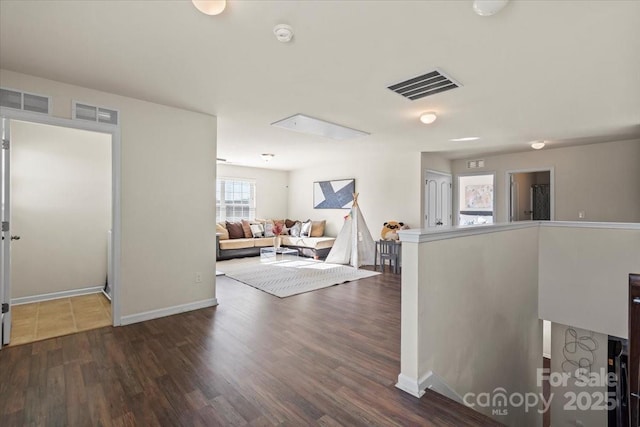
column 233, row 243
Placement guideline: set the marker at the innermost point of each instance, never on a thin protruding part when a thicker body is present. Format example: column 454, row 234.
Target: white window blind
column 235, row 199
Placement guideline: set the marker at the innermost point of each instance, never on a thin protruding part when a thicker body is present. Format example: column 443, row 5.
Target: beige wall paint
column 388, row 186
column 61, row 208
column 476, row 322
column 168, row 194
column 561, row 416
column 272, row 188
column 601, row 179
column 584, row 276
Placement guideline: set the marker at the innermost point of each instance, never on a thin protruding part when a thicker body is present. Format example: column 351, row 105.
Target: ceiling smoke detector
column 283, row 32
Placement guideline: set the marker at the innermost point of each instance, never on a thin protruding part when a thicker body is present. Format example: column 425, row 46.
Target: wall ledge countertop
column 429, row 235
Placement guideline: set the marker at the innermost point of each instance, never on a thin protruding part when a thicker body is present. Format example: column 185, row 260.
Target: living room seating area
column 245, row 238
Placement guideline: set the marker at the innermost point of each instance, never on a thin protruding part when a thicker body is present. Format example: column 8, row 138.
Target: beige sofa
column 314, row 247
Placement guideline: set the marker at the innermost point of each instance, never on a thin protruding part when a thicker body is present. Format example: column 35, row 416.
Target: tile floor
column 41, row 320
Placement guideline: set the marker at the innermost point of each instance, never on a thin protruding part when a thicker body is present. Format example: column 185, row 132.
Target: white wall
column 601, row 179
column 272, row 188
column 61, row 208
column 470, row 314
column 168, row 194
column 584, row 276
column 389, row 188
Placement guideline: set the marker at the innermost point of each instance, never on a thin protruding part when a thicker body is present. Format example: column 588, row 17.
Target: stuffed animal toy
column 390, row 230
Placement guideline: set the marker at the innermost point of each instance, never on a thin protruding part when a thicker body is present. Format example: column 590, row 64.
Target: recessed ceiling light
column 210, row 7
column 466, row 138
column 428, row 118
column 267, row 156
column 309, row 125
column 537, row 145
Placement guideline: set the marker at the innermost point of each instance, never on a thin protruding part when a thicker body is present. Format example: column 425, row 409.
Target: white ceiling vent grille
column 94, row 113
column 427, row 84
column 18, row 100
column 475, row 164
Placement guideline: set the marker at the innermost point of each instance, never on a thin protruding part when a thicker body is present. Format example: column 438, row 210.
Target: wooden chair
column 388, row 250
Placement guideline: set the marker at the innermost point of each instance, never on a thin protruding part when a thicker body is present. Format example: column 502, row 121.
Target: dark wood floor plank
column 328, row 358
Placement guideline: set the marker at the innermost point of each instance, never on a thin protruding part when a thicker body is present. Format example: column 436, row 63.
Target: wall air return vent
column 18, row 100
column 93, row 113
column 475, row 164
column 427, row 84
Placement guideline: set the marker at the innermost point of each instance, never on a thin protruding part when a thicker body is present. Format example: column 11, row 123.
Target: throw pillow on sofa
column 235, row 230
column 289, row 223
column 268, row 229
column 317, row 228
column 246, row 227
column 222, row 231
column 305, row 230
column 257, row 230
column 295, row 230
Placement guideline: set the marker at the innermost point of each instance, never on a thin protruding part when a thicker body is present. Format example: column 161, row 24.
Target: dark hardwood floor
column 329, row 357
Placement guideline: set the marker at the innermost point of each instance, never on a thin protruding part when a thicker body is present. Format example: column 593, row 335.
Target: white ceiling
column 565, row 71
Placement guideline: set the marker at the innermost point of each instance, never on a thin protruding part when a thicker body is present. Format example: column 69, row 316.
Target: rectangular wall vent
column 427, row 84
column 94, row 113
column 18, row 100
column 475, row 164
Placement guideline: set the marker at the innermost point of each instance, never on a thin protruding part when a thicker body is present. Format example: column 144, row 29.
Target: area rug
column 286, row 278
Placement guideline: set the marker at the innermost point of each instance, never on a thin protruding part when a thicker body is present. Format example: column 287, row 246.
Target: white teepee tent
column 354, row 244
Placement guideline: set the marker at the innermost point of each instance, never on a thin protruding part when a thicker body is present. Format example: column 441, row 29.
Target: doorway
column 50, row 219
column 530, row 195
column 437, row 199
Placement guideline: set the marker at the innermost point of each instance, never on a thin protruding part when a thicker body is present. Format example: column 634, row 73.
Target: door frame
column 426, row 200
column 552, row 190
column 116, row 170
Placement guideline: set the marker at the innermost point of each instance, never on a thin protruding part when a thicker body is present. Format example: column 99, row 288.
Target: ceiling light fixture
column 210, row 7
column 538, row 145
column 428, row 118
column 267, row 156
column 488, row 7
column 312, row 126
column 466, row 138
column 283, row 32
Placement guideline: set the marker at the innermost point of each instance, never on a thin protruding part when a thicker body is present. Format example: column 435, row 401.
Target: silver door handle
column 15, row 237
column 636, row 300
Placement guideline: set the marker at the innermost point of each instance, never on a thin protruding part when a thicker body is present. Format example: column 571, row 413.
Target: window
column 235, row 199
column 475, row 199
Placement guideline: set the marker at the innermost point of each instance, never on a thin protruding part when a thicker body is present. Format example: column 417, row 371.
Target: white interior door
column 5, row 258
column 437, row 200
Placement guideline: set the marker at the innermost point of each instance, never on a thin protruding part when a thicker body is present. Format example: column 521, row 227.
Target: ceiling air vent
column 475, row 164
column 427, row 84
column 24, row 101
column 94, row 114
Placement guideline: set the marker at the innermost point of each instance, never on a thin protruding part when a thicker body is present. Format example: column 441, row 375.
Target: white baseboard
column 162, row 312
column 429, row 381
column 409, row 385
column 57, row 295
